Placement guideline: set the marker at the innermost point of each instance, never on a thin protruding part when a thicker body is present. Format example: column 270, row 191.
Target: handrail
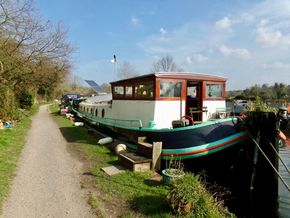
column 223, row 109
column 114, row 121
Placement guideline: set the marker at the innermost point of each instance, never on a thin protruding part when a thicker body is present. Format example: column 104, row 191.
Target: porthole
column 96, row 112
column 103, row 113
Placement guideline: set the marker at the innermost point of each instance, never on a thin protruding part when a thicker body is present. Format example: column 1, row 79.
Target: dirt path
column 48, row 178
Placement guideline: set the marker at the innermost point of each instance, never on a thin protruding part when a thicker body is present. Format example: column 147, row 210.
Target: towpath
column 48, row 178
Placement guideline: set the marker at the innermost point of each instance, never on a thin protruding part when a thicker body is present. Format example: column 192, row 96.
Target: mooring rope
column 281, row 178
column 279, row 156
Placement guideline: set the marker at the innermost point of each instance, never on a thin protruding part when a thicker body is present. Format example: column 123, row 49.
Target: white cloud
column 267, row 35
column 162, row 30
column 156, row 57
column 225, row 50
column 200, row 58
column 276, row 65
column 181, row 42
column 197, row 58
column 272, row 9
column 241, row 42
column 135, row 21
column 188, row 60
column 223, row 24
column 246, row 17
column 236, row 52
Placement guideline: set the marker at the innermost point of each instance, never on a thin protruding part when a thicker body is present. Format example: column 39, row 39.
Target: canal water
column 284, row 194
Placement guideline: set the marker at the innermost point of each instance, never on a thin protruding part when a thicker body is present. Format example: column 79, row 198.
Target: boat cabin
column 160, row 98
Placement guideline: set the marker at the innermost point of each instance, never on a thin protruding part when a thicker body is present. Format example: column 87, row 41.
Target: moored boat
column 186, row 112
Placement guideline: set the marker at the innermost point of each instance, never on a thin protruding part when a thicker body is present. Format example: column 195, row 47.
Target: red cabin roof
column 177, row 75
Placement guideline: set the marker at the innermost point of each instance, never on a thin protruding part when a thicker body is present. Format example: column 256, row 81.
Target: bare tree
column 126, row 71
column 165, row 64
column 75, row 82
column 106, row 87
column 33, row 53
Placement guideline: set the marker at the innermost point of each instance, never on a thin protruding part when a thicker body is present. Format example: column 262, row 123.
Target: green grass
column 189, row 197
column 11, row 144
column 94, row 201
column 136, row 189
column 142, row 195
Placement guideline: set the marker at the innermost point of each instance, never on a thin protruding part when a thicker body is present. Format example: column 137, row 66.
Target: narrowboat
column 185, row 111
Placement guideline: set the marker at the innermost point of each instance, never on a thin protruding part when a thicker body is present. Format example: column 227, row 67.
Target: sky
column 246, row 41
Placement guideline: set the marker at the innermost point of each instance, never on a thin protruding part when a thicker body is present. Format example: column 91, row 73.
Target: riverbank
column 12, row 141
column 128, row 194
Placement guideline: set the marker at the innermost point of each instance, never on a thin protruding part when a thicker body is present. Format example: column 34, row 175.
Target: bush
column 189, row 197
column 25, row 100
column 8, row 108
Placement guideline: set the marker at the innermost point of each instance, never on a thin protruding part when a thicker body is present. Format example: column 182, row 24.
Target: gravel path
column 48, row 178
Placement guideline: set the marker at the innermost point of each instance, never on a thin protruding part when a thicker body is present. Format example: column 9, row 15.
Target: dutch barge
column 185, row 111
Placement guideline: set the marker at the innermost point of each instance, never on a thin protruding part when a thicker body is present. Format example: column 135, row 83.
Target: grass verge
column 128, row 194
column 11, row 144
column 133, row 193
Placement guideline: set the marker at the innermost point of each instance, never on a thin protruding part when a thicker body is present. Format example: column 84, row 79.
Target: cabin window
column 103, row 113
column 96, row 112
column 192, row 91
column 128, row 91
column 144, row 90
column 214, row 90
column 91, row 110
column 170, row 89
column 87, row 110
column 118, row 90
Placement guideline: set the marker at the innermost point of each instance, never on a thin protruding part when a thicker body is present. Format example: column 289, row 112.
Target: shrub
column 8, row 108
column 189, row 197
column 25, row 100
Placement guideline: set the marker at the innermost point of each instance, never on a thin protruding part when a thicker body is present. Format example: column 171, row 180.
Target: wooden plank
column 113, row 170
column 145, row 149
column 134, row 162
column 134, row 157
column 156, row 155
column 142, row 167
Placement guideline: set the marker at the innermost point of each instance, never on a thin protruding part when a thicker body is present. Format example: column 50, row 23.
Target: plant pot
column 171, row 174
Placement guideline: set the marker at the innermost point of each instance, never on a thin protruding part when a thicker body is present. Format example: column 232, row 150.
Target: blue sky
column 246, row 41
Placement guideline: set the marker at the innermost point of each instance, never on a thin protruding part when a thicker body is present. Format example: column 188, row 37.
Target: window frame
column 223, row 94
column 183, row 89
column 120, row 95
column 141, row 97
column 133, row 84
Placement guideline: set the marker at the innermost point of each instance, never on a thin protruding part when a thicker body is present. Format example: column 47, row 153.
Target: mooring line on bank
column 279, row 156
column 281, row 178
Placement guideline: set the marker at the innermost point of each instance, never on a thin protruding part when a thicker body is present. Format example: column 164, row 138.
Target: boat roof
column 99, row 98
column 177, row 75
